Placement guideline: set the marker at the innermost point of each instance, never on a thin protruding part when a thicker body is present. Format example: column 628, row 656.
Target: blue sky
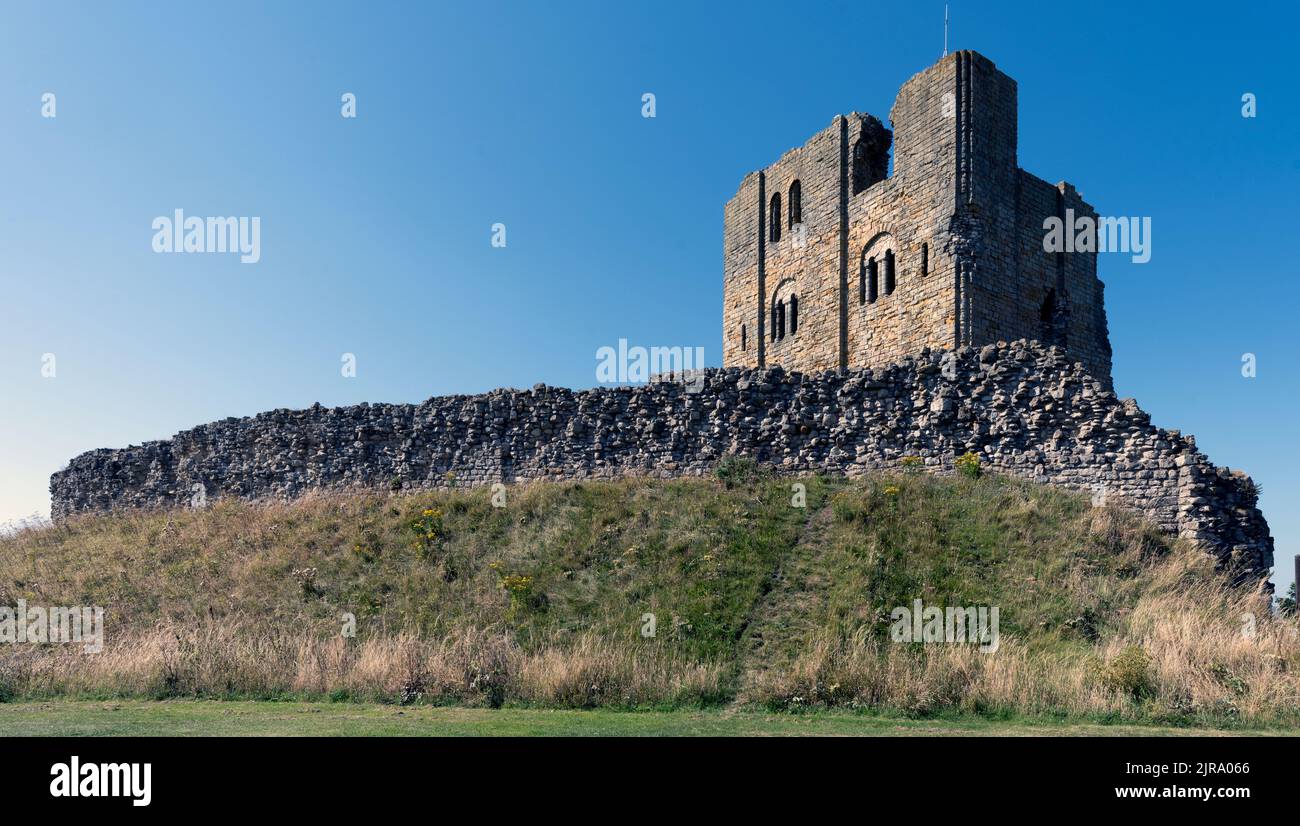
column 376, row 230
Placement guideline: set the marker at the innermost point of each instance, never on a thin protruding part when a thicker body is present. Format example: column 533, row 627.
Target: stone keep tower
column 832, row 262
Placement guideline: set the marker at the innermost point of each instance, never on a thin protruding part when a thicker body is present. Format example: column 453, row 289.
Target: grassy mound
column 640, row 593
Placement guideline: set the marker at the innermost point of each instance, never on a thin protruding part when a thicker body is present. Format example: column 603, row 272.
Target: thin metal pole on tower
column 945, row 29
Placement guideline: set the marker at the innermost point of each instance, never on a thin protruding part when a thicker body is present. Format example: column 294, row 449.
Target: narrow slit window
column 1049, row 320
column 774, row 219
column 780, row 320
column 744, row 341
column 925, row 259
column 794, row 314
column 872, row 279
column 796, row 204
column 889, row 272
column 861, row 174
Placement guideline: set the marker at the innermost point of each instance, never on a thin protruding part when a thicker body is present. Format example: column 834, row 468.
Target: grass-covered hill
column 742, row 588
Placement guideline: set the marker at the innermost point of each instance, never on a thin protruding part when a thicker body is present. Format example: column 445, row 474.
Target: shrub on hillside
column 1128, row 673
column 968, row 465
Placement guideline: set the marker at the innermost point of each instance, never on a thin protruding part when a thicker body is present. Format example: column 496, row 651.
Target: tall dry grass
column 865, row 673
column 251, row 660
column 1190, row 649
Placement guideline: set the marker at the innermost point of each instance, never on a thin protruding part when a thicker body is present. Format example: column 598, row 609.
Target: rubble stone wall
column 1025, row 409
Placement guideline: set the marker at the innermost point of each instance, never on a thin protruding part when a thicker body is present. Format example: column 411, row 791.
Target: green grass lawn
column 125, row 718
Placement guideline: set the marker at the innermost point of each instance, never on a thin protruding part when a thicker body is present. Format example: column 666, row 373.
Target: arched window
column 877, row 264
column 794, row 314
column 774, row 219
column 796, row 204
column 1048, row 309
column 780, row 320
column 925, row 259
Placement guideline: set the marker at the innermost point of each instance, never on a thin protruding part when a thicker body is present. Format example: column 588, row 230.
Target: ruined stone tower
column 833, row 262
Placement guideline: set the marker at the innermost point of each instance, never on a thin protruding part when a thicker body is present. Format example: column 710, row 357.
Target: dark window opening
column 744, row 340
column 925, row 259
column 780, row 320
column 774, row 222
column 889, row 272
column 862, row 283
column 796, row 204
column 794, row 314
column 861, row 177
column 872, row 282
column 1048, row 320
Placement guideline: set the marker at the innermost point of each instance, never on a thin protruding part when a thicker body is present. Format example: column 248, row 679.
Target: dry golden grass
column 485, row 668
column 1203, row 651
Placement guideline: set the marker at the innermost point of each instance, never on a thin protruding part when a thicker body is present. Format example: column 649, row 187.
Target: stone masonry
column 1027, row 410
column 831, row 262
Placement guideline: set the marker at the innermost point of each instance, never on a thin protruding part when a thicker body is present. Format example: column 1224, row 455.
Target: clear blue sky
column 376, row 230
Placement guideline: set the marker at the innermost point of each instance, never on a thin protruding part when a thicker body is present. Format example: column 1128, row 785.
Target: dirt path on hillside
column 784, row 615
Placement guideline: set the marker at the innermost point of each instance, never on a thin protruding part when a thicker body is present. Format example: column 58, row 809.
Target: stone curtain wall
column 1027, row 410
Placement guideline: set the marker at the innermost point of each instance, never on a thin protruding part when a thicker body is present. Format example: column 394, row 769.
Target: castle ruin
column 831, row 262
column 867, row 318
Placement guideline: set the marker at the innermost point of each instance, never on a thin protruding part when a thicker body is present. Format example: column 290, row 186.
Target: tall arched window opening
column 1048, row 321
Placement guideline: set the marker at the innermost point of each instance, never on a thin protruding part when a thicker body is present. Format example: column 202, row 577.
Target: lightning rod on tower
column 945, row 29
